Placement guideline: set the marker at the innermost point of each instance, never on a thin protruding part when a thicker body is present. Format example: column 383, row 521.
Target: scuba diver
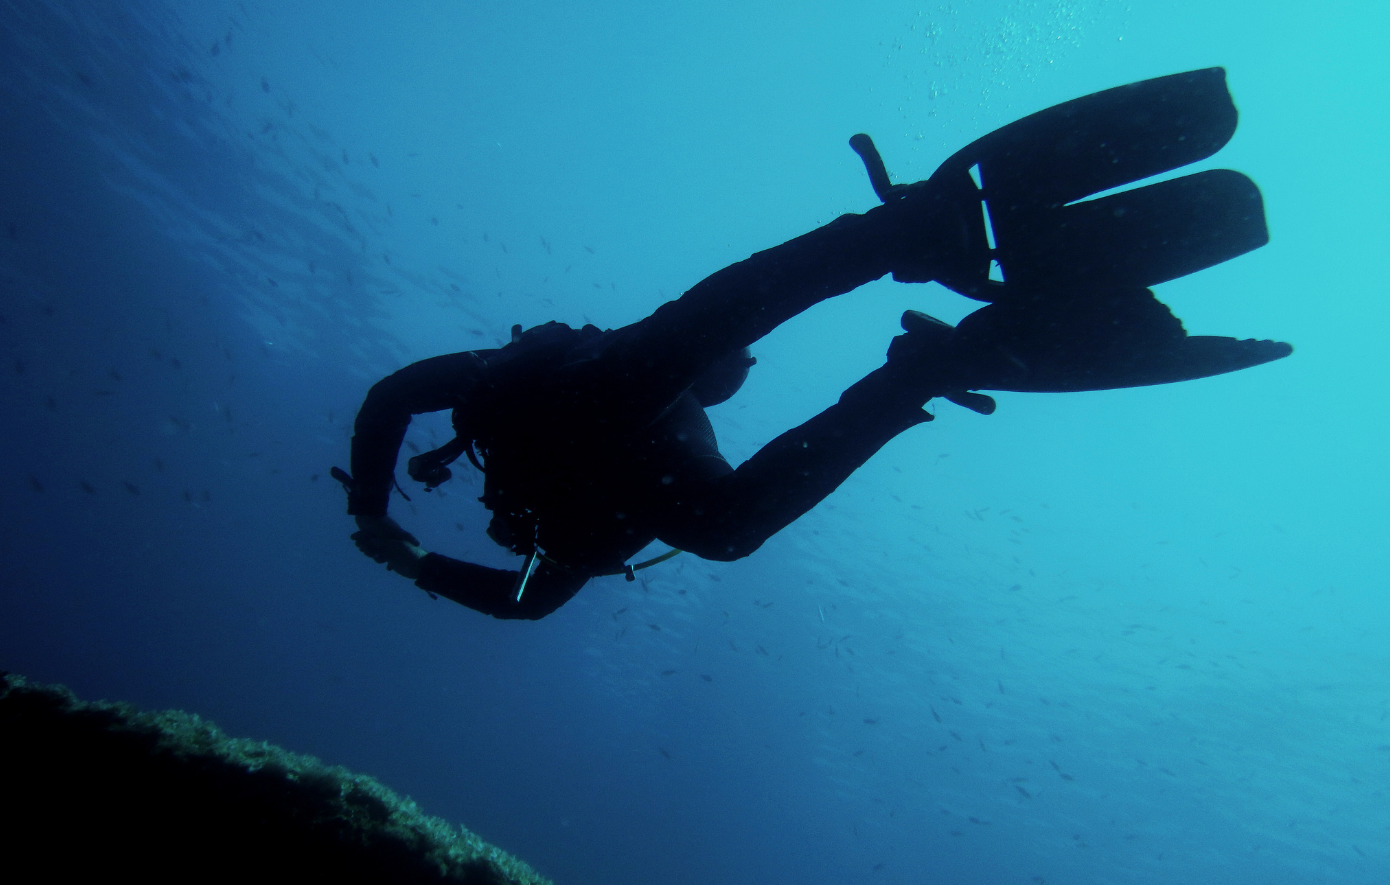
column 595, row 443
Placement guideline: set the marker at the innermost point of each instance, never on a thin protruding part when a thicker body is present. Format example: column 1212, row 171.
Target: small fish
column 34, row 483
column 130, row 487
column 656, row 627
column 662, row 751
column 871, row 722
column 976, row 820
column 935, row 715
column 668, row 672
column 706, row 677
column 1025, row 793
column 615, row 614
column 87, row 487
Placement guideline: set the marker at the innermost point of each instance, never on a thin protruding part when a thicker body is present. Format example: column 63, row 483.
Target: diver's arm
column 492, row 591
column 427, row 386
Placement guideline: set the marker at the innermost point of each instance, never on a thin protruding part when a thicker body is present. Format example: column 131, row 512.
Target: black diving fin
column 1019, row 195
column 1059, row 343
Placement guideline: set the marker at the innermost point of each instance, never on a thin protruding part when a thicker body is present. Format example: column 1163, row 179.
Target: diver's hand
column 383, row 540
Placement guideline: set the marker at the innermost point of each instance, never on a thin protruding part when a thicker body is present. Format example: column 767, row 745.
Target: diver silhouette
column 595, row 443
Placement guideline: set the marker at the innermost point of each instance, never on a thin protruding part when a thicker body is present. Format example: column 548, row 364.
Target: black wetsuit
column 610, row 450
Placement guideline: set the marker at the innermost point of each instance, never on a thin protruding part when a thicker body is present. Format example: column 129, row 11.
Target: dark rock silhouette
column 104, row 792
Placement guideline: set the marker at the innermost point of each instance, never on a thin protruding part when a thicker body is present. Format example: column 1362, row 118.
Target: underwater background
column 1138, row 636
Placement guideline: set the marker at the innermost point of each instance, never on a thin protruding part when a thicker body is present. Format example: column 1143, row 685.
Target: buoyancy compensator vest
column 499, row 394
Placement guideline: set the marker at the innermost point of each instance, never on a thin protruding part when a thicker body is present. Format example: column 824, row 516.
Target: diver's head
column 723, row 378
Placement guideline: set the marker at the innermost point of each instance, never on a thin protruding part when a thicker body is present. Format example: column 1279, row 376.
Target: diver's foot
column 926, row 364
column 916, row 230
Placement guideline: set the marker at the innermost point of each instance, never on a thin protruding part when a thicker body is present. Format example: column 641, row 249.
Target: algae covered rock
column 105, row 791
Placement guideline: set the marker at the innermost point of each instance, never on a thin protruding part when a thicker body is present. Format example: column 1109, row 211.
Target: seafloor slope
column 102, row 791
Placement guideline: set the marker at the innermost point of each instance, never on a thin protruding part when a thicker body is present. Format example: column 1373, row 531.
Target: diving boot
column 925, row 362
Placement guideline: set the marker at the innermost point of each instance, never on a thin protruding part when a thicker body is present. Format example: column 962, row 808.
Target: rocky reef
column 103, row 792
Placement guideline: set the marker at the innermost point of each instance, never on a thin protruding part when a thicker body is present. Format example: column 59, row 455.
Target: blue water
column 1125, row 637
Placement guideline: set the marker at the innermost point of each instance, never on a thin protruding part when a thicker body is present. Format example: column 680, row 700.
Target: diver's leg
column 724, row 514
column 653, row 360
